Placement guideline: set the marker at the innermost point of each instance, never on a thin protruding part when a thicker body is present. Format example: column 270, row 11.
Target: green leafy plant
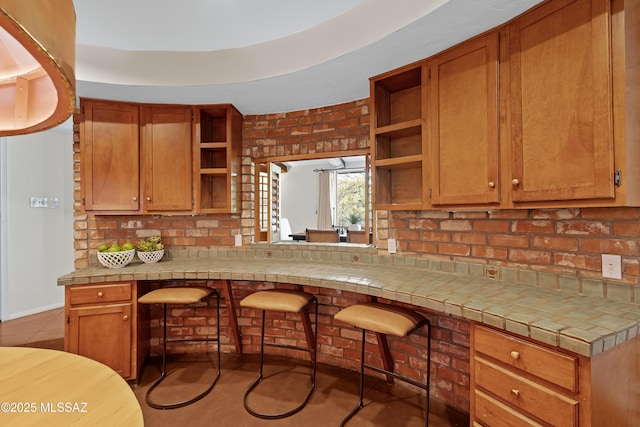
column 354, row 218
column 153, row 243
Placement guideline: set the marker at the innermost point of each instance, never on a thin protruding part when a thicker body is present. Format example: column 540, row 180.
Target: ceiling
column 264, row 56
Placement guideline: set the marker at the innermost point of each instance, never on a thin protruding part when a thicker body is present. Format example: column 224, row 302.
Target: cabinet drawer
column 552, row 366
column 494, row 413
column 525, row 395
column 100, row 294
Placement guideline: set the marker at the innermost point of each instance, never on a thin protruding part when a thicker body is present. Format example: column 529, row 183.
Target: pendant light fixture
column 37, row 64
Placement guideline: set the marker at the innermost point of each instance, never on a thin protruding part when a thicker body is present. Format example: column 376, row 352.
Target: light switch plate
column 38, row 202
column 238, row 240
column 391, row 243
column 611, row 266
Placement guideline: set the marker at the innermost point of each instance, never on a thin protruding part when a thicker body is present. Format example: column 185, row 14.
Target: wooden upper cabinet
column 561, row 102
column 463, row 119
column 110, row 156
column 397, row 135
column 166, row 155
column 216, row 159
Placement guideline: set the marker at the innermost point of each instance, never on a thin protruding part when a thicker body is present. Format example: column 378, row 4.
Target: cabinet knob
column 134, row 198
column 515, row 182
column 148, row 199
column 515, row 392
column 492, row 184
column 125, row 317
column 100, row 294
column 515, row 355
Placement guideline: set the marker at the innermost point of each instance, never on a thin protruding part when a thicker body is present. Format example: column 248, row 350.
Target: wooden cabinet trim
column 549, row 365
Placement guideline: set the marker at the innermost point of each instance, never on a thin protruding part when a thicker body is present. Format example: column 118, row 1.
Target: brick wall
column 338, row 344
column 561, row 241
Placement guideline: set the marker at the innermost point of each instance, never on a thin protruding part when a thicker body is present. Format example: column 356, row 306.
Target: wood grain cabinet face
column 517, row 382
column 99, row 324
column 398, row 135
column 561, row 102
column 166, row 155
column 110, row 156
column 136, row 158
column 539, row 112
column 521, row 383
column 464, row 124
column 217, row 146
column 104, row 323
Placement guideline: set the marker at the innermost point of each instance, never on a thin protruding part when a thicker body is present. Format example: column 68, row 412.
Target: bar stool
column 288, row 301
column 385, row 319
column 184, row 295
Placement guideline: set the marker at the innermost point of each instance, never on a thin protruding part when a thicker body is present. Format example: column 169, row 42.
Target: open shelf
column 218, row 150
column 397, row 135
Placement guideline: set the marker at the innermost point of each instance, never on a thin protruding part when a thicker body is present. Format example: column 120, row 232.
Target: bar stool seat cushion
column 277, row 300
column 176, row 295
column 381, row 318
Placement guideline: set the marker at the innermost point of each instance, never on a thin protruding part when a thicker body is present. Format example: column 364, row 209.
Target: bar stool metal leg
column 311, row 350
column 164, row 374
column 364, row 314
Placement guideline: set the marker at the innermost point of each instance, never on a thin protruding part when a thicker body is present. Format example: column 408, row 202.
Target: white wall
column 299, row 190
column 299, row 197
column 39, row 240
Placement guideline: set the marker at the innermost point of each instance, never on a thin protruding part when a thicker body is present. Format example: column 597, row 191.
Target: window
column 350, row 196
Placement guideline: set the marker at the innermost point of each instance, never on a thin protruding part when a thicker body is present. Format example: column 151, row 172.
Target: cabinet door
column 166, row 153
column 561, row 102
column 463, row 107
column 110, row 159
column 102, row 333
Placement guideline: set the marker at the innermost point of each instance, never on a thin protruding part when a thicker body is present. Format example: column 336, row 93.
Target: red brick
column 533, row 227
column 583, row 262
column 611, row 246
column 599, row 228
column 430, row 236
column 470, row 238
column 626, row 229
column 531, row 257
column 454, row 249
column 509, row 240
column 556, row 243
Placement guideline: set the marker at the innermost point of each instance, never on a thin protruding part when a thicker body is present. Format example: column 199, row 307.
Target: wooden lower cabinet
column 105, row 323
column 517, row 382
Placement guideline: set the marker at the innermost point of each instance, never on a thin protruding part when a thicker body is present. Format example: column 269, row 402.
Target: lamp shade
column 37, row 64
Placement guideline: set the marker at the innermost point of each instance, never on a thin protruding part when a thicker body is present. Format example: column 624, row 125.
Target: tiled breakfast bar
column 586, row 328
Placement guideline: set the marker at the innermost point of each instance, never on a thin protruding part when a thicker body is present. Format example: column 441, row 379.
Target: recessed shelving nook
column 397, row 132
column 218, row 131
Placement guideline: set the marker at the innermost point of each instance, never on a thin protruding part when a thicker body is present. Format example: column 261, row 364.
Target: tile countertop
column 551, row 309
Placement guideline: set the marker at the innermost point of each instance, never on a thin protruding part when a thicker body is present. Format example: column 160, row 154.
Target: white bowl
column 151, row 257
column 116, row 259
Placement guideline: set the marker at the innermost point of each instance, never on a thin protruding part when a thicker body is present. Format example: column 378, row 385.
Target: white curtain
column 326, row 200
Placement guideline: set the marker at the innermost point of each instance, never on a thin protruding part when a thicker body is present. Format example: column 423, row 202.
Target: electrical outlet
column 238, row 238
column 612, row 266
column 392, row 244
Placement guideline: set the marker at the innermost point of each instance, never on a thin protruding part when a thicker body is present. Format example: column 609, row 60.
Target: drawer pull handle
column 515, row 355
column 515, row 392
column 515, row 182
column 492, row 184
column 125, row 317
column 100, row 294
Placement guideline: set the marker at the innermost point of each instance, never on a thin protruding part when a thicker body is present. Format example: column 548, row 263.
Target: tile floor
column 335, row 394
